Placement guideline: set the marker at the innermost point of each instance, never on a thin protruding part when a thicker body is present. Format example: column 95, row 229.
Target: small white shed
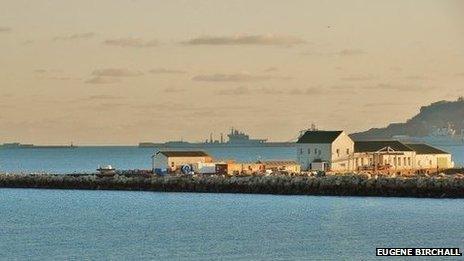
column 169, row 161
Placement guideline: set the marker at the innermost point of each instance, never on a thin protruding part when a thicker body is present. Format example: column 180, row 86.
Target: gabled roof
column 376, row 145
column 183, row 153
column 422, row 148
column 319, row 136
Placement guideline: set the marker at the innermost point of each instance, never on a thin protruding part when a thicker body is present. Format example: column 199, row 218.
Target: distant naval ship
column 235, row 137
column 17, row 145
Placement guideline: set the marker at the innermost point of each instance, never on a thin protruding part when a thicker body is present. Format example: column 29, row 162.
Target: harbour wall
column 343, row 185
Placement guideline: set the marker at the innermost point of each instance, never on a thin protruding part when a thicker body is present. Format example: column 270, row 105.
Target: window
column 399, row 161
column 348, row 151
column 309, row 151
column 172, row 164
column 404, row 161
column 301, row 151
column 315, row 151
column 338, row 152
column 409, row 161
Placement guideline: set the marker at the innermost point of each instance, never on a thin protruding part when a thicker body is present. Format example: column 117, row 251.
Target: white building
column 383, row 155
column 170, row 161
column 428, row 157
column 330, row 149
column 336, row 151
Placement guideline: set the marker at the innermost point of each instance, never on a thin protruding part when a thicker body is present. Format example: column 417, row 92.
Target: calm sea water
column 118, row 225
column 87, row 159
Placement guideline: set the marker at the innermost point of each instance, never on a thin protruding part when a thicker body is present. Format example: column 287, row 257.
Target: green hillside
column 436, row 115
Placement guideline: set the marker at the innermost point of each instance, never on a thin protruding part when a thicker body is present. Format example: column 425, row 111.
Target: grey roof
column 319, row 136
column 375, row 145
column 422, row 148
column 184, row 153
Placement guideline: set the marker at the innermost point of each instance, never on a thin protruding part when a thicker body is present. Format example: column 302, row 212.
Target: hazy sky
column 122, row 71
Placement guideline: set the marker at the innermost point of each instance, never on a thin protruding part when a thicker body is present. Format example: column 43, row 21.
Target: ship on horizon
column 236, row 138
column 17, row 145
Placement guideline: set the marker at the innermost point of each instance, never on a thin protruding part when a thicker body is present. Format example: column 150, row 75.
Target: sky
column 126, row 71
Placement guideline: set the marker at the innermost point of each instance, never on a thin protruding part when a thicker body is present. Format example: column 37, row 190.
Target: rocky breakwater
column 449, row 186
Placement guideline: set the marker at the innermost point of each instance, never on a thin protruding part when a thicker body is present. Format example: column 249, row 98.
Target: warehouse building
column 324, row 150
column 428, row 157
column 171, row 161
column 383, row 155
column 336, row 151
column 199, row 162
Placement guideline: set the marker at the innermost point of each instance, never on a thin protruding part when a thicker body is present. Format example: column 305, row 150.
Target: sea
column 87, row 159
column 128, row 225
column 134, row 225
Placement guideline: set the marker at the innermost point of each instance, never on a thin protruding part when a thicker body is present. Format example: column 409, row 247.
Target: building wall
column 160, row 161
column 400, row 162
column 342, row 153
column 173, row 163
column 244, row 168
column 408, row 161
column 432, row 161
column 204, row 168
column 338, row 154
column 361, row 160
column 177, row 162
column 396, row 162
column 309, row 152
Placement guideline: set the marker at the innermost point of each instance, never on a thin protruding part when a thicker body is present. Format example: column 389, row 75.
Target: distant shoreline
column 346, row 185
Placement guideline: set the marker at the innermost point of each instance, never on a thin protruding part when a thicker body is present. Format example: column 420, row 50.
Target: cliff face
column 436, row 115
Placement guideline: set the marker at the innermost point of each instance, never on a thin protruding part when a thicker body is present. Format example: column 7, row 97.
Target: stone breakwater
column 337, row 185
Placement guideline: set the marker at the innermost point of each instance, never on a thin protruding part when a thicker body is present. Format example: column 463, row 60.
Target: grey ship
column 236, row 138
column 17, row 145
